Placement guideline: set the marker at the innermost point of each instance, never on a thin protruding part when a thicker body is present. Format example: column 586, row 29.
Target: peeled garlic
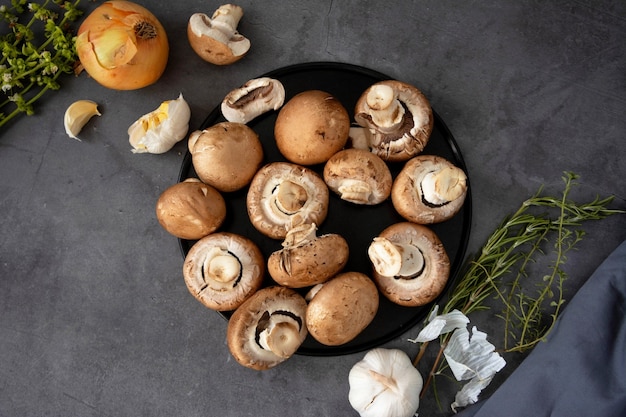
column 77, row 115
column 158, row 131
column 385, row 384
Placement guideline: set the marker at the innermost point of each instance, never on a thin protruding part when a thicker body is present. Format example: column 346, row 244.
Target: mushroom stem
column 444, row 185
column 281, row 336
column 225, row 19
column 387, row 111
column 395, row 259
column 355, row 191
column 222, row 266
column 290, row 197
column 300, row 235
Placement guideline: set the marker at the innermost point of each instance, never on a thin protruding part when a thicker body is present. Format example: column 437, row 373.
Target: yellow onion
column 122, row 45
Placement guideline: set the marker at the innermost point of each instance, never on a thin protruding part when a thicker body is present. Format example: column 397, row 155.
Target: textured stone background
column 95, row 319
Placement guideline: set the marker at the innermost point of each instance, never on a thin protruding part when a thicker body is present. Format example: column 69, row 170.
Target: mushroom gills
column 254, row 98
column 221, row 266
column 279, row 332
column 440, row 187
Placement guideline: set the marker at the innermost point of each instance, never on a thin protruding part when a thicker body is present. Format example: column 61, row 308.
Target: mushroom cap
column 226, row 155
column 252, row 99
column 411, row 131
column 358, row 176
column 215, row 42
column 428, row 282
column 190, row 209
column 308, row 260
column 429, row 189
column 311, row 127
column 341, row 308
column 283, row 195
column 223, row 269
column 250, row 327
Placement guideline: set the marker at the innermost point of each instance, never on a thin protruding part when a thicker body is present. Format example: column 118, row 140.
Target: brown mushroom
column 411, row 266
column 311, row 127
column 358, row 176
column 429, row 189
column 223, row 269
column 268, row 328
column 216, row 39
column 190, row 209
column 254, row 98
column 226, row 155
column 283, row 195
column 398, row 118
column 307, row 259
column 341, row 308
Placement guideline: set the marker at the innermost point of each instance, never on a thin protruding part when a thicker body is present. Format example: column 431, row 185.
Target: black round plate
column 357, row 224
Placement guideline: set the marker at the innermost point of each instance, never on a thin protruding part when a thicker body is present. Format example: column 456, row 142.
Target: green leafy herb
column 37, row 46
column 503, row 268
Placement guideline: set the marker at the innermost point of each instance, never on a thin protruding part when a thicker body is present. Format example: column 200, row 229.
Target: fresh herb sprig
column 503, row 264
column 37, row 46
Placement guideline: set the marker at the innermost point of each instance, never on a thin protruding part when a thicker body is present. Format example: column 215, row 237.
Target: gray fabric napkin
column 580, row 370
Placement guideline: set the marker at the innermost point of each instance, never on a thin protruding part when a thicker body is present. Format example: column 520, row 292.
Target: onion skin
column 122, row 45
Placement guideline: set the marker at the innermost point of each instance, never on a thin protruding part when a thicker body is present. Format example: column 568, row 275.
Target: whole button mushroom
column 311, row 127
column 216, row 39
column 411, row 266
column 307, row 259
column 397, row 119
column 283, row 195
column 223, row 269
column 341, row 308
column 268, row 328
column 358, row 176
column 190, row 209
column 226, row 155
column 429, row 189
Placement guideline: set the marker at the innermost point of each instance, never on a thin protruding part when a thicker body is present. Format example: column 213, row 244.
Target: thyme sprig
column 37, row 46
column 504, row 265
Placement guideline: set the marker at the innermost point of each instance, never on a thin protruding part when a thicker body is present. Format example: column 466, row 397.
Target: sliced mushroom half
column 283, row 195
column 216, row 39
column 411, row 266
column 268, row 328
column 223, row 269
column 398, row 117
column 254, row 98
column 307, row 259
column 358, row 176
column 429, row 189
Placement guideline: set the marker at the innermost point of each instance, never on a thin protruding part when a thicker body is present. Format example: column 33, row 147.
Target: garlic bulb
column 77, row 115
column 158, row 131
column 385, row 384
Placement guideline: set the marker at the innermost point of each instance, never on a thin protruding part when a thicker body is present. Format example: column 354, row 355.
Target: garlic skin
column 385, row 384
column 158, row 131
column 77, row 115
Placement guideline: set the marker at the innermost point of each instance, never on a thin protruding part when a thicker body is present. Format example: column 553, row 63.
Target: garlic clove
column 158, row 131
column 77, row 115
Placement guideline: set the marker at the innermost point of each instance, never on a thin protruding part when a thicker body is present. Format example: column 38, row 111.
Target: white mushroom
column 254, row 98
column 411, row 266
column 399, row 119
column 283, row 195
column 429, row 189
column 216, row 39
column 267, row 328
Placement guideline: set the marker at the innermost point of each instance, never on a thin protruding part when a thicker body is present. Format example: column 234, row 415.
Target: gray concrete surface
column 95, row 319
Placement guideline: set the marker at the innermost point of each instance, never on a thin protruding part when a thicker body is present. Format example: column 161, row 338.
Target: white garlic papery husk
column 385, row 384
column 441, row 324
column 471, row 357
column 158, row 131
